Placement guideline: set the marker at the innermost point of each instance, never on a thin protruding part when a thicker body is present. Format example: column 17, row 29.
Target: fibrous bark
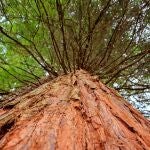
column 74, row 111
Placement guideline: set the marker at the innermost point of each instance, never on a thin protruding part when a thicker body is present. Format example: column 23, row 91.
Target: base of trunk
column 74, row 111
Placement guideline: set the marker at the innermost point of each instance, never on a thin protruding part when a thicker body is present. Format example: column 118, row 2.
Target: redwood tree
column 47, row 101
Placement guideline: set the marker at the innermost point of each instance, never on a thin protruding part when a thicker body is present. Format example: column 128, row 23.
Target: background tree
column 109, row 39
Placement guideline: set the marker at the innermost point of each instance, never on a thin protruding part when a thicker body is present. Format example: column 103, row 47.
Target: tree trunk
column 74, row 112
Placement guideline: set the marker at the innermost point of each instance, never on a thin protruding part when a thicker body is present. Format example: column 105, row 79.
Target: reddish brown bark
column 74, row 111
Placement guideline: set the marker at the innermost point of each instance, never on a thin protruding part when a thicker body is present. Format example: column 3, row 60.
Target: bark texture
column 73, row 112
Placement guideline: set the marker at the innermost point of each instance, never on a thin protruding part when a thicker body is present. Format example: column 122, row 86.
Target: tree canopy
column 108, row 38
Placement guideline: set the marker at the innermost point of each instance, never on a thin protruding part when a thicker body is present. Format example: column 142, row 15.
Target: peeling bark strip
column 74, row 112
